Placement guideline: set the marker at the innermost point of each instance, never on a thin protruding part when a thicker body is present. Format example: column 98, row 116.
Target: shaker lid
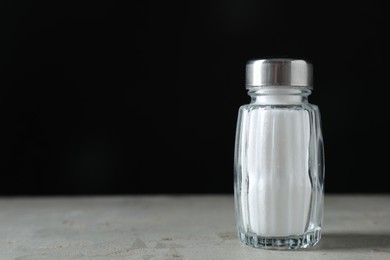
column 279, row 72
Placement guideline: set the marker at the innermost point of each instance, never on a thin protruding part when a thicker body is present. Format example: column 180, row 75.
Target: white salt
column 276, row 185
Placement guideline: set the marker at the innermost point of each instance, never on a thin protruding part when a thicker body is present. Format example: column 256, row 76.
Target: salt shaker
column 279, row 158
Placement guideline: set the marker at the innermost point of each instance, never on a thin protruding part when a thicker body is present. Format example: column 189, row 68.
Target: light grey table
column 176, row 227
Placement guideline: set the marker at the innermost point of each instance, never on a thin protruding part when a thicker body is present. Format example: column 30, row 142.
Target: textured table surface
column 176, row 227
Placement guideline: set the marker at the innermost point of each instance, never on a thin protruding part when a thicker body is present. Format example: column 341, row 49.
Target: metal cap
column 279, row 72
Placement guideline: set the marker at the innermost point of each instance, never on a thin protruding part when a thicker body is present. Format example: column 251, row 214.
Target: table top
column 176, row 227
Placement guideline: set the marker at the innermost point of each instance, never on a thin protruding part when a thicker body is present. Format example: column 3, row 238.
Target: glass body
column 279, row 170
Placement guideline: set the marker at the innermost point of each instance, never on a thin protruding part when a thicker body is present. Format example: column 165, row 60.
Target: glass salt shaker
column 279, row 158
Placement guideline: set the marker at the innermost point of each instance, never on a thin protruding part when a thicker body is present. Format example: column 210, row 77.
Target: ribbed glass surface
column 279, row 173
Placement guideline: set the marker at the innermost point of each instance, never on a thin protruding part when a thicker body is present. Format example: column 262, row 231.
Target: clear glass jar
column 279, row 159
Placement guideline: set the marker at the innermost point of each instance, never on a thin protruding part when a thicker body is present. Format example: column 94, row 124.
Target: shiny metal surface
column 279, row 72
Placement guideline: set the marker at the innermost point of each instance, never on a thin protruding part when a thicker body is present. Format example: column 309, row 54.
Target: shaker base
column 281, row 243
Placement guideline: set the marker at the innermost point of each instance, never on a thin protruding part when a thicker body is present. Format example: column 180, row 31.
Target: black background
column 122, row 97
